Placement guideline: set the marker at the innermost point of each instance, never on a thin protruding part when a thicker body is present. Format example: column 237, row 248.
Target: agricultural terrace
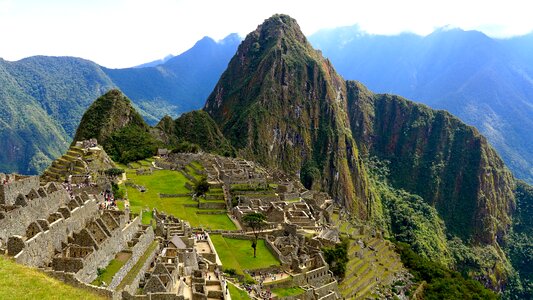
column 169, row 182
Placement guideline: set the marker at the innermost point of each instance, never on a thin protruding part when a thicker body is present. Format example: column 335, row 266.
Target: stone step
column 366, row 290
column 73, row 153
column 69, row 158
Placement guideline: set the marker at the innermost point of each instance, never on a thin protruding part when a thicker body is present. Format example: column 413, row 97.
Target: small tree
column 256, row 221
column 114, row 172
column 201, row 187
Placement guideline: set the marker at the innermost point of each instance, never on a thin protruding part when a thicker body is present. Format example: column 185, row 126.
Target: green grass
column 170, row 182
column 111, row 269
column 120, row 204
column 21, row 282
column 146, row 217
column 239, row 255
column 197, row 165
column 192, row 172
column 236, row 293
column 287, row 292
column 137, row 267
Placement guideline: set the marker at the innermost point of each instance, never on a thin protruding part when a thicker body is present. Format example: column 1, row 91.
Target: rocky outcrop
column 434, row 155
column 282, row 104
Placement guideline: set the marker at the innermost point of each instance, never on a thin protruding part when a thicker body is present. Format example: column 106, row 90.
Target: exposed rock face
column 435, row 155
column 282, row 104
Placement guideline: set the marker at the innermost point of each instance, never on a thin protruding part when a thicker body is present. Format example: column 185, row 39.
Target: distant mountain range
column 43, row 98
column 486, row 82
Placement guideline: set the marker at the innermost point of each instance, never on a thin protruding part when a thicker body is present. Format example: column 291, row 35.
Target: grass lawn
column 111, row 269
column 236, row 293
column 239, row 254
column 170, row 182
column 287, row 292
column 21, row 282
column 137, row 267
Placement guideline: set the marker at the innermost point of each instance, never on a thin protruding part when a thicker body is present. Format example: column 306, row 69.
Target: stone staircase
column 71, row 163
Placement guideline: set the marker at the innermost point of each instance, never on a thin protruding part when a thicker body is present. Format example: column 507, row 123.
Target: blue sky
column 123, row 33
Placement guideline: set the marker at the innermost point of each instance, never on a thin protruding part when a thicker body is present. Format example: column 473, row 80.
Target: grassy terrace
column 239, row 255
column 21, row 282
column 236, row 293
column 128, row 279
column 170, row 182
column 111, row 269
column 287, row 292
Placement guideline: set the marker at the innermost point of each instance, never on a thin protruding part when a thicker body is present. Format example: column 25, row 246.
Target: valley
column 290, row 183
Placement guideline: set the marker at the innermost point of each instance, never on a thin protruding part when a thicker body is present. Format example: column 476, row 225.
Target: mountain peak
column 279, row 26
column 281, row 103
column 232, row 38
column 110, row 112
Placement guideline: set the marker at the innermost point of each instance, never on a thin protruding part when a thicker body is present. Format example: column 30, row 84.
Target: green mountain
column 448, row 193
column 420, row 175
column 436, row 156
column 486, row 82
column 181, row 83
column 118, row 127
column 43, row 98
column 195, row 127
column 282, row 104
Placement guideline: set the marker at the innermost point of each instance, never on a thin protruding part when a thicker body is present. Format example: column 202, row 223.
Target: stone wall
column 132, row 288
column 15, row 219
column 21, row 185
column 107, row 250
column 136, row 252
column 173, row 195
column 211, row 205
column 275, row 251
column 327, row 288
column 318, row 276
column 40, row 249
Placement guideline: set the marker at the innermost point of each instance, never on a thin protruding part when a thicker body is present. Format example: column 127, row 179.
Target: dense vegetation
column 520, row 244
column 482, row 80
column 131, row 143
column 441, row 283
column 337, row 258
column 408, row 218
column 113, row 121
column 434, row 155
column 198, row 128
column 43, row 98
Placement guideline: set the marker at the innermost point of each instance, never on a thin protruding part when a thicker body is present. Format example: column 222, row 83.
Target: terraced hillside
column 170, row 191
column 78, row 161
column 373, row 263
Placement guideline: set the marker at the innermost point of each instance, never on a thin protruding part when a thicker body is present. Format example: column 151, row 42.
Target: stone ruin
column 84, row 162
column 183, row 266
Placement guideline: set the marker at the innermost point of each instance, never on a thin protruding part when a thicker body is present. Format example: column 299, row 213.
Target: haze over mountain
column 44, row 97
column 486, row 82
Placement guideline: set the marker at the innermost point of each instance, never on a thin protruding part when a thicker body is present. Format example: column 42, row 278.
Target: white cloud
column 121, row 33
